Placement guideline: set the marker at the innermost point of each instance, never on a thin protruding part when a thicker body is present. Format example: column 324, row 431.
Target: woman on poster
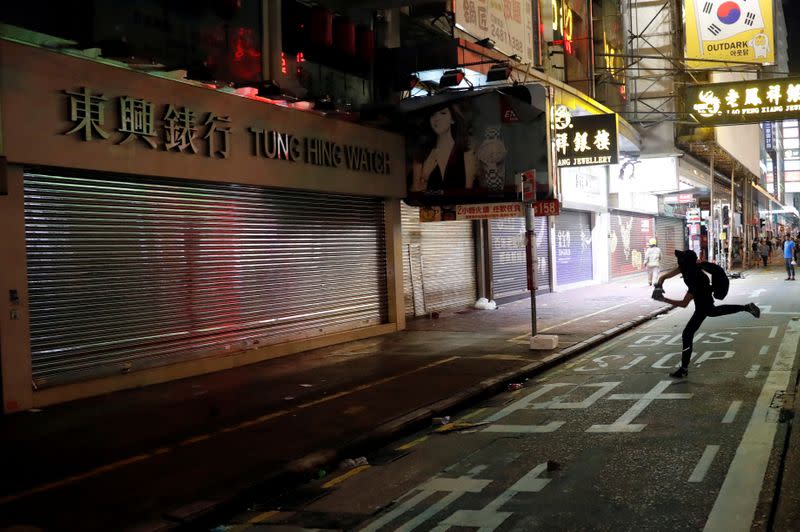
column 446, row 161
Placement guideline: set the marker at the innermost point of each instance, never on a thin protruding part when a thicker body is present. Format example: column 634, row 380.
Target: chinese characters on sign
column 181, row 129
column 744, row 102
column 584, row 140
column 509, row 23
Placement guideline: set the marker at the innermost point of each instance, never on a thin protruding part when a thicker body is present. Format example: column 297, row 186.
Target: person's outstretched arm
column 683, row 303
column 667, row 275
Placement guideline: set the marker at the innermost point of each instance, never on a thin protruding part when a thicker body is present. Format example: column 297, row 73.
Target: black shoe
column 679, row 373
column 753, row 309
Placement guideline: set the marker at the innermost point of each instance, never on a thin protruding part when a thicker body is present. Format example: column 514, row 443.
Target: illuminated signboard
column 584, row 140
column 735, row 31
column 744, row 102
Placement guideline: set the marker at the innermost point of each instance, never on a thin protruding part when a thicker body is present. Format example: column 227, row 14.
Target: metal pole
column 730, row 218
column 531, row 243
column 710, row 219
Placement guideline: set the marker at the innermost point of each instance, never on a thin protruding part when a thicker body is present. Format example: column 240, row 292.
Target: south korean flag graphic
column 723, row 19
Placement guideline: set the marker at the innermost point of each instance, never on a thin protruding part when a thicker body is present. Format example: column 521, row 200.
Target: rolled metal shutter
column 630, row 234
column 573, row 232
column 130, row 273
column 438, row 264
column 509, row 267
column 541, row 227
column 671, row 235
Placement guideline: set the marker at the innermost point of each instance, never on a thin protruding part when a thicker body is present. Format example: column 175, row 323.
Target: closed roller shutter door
column 629, row 236
column 670, row 233
column 133, row 273
column 573, row 247
column 509, row 269
column 541, row 228
column 438, row 264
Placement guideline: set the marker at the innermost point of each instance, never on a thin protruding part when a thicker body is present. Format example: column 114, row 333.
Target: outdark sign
column 585, row 140
column 744, row 102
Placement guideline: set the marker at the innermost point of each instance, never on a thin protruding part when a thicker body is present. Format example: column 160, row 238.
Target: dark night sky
column 791, row 9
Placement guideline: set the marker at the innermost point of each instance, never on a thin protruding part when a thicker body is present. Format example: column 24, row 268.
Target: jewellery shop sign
column 173, row 128
column 744, row 102
column 584, row 140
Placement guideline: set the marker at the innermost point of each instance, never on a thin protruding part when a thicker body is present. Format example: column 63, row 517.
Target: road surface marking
column 341, row 478
column 203, row 437
column 490, row 518
column 412, row 443
column 525, row 401
column 557, row 404
column 453, row 487
column 260, row 518
column 764, row 350
column 756, row 293
column 732, row 411
column 584, row 317
column 474, row 413
column 704, row 464
column 634, row 362
column 753, row 372
column 736, row 503
column 643, row 400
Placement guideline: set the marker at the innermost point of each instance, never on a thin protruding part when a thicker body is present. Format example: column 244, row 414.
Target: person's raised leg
column 724, row 310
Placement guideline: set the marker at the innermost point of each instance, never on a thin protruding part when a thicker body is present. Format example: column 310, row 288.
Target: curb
column 190, row 517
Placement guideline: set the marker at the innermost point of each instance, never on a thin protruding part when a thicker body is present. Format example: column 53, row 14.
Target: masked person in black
column 698, row 289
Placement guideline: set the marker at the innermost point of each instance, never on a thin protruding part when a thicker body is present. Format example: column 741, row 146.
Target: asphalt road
column 606, row 442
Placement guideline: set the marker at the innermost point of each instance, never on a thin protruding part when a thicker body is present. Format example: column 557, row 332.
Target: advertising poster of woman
column 473, row 149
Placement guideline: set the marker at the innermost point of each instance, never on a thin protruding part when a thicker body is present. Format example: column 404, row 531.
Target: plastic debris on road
column 444, row 420
column 515, row 386
column 350, row 463
column 485, row 304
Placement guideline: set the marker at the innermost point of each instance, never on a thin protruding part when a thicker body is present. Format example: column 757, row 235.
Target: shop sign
column 507, row 23
column 477, row 211
column 693, row 216
column 769, row 137
column 585, row 140
column 744, row 102
column 739, row 31
column 791, row 154
column 175, row 128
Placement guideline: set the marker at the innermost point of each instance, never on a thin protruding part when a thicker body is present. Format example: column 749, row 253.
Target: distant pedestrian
column 652, row 261
column 788, row 257
column 756, row 252
column 699, row 289
column 764, row 249
column 769, row 245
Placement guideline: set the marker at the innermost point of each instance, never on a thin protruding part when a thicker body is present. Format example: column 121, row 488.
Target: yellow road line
column 260, row 518
column 411, row 444
column 341, row 478
column 474, row 413
column 203, row 437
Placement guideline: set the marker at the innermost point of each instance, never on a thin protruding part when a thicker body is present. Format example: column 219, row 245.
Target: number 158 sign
column 547, row 208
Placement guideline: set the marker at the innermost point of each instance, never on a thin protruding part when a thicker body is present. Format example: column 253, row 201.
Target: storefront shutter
column 573, row 232
column 438, row 264
column 670, row 233
column 630, row 234
column 130, row 273
column 509, row 269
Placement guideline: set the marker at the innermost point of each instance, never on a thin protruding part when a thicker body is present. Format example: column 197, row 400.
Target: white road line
column 704, row 464
column 756, row 293
column 732, row 411
column 764, row 350
column 736, row 503
column 753, row 372
column 634, row 362
column 586, row 316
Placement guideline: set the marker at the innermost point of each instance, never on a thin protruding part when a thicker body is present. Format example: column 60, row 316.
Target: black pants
column 700, row 314
column 764, row 258
column 789, row 268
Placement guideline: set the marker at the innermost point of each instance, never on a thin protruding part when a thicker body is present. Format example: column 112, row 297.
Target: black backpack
column 719, row 279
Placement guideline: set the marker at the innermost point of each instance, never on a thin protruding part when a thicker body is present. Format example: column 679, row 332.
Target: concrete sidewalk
column 164, row 456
